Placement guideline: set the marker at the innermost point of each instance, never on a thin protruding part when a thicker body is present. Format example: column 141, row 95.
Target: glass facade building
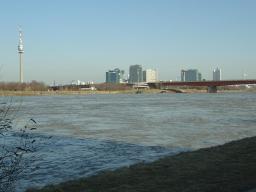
column 216, row 74
column 135, row 74
column 191, row 75
column 114, row 76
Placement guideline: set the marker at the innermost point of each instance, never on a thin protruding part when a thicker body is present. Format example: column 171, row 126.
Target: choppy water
column 97, row 132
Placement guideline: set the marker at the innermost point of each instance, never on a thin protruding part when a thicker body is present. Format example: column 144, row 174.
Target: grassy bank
column 132, row 91
column 69, row 92
column 48, row 93
column 227, row 168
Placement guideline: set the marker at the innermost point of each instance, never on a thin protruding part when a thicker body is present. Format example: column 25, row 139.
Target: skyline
column 66, row 40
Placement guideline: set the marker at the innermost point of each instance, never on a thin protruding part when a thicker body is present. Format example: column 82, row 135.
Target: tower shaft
column 21, row 68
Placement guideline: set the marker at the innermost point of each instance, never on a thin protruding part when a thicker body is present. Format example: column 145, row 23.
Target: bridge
column 211, row 85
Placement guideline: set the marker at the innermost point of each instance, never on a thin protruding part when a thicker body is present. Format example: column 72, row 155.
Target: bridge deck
column 205, row 83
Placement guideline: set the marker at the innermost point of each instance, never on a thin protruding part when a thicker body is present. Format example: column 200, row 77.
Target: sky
column 68, row 40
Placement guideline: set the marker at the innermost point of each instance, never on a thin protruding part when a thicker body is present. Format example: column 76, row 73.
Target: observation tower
column 20, row 51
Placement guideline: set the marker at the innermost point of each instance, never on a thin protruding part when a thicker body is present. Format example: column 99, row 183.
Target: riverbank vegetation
column 15, row 86
column 227, row 168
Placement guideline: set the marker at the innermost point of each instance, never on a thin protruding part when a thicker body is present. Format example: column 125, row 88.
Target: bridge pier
column 212, row 89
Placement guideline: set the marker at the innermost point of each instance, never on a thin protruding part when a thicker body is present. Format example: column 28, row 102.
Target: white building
column 216, row 74
column 149, row 75
column 77, row 82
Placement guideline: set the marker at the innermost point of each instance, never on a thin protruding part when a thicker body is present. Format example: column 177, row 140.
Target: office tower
column 135, row 74
column 149, row 75
column 115, row 76
column 182, row 75
column 191, row 75
column 216, row 74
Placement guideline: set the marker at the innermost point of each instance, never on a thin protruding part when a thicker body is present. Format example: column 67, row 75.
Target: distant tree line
column 31, row 86
column 99, row 87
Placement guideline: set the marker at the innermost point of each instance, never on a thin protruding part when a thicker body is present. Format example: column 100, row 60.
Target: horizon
column 65, row 41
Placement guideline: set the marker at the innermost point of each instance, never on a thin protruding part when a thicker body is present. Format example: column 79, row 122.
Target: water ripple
column 62, row 158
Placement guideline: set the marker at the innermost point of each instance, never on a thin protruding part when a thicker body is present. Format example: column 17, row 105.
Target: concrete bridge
column 211, row 85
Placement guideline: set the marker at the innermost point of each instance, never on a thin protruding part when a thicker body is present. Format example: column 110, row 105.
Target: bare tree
column 12, row 150
column 14, row 86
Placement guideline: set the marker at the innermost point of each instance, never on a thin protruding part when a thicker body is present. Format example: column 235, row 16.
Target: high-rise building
column 182, row 75
column 135, row 74
column 149, row 75
column 216, row 74
column 191, row 75
column 114, row 76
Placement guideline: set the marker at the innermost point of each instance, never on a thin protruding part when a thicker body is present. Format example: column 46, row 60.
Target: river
column 80, row 135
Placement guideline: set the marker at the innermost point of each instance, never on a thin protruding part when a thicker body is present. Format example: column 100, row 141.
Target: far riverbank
column 130, row 91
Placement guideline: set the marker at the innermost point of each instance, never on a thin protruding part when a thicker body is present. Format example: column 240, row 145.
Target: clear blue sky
column 67, row 40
